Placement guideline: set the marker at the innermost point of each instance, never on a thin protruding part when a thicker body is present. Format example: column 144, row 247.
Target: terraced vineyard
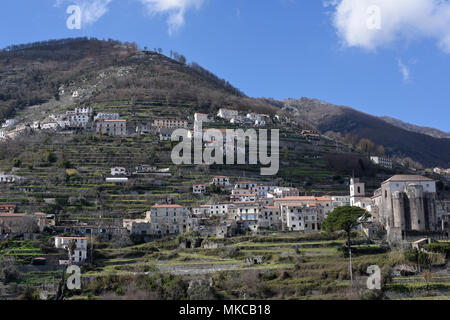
column 301, row 268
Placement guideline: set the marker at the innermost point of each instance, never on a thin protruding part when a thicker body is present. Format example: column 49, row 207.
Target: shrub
column 371, row 295
column 438, row 248
column 16, row 163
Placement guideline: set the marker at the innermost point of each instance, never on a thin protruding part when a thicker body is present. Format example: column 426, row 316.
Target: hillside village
column 225, row 207
column 87, row 179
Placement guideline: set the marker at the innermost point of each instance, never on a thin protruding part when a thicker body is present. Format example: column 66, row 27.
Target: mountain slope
column 419, row 129
column 108, row 70
column 427, row 150
column 48, row 77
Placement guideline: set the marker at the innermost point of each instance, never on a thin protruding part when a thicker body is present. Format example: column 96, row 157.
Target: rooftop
column 304, row 198
column 406, row 177
column 167, row 206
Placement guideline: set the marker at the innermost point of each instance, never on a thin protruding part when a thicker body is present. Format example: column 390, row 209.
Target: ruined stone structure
column 406, row 202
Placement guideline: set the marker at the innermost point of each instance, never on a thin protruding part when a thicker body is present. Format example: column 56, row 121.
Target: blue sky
column 394, row 61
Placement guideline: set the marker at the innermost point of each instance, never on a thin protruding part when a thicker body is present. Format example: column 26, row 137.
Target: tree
column 72, row 247
column 16, row 163
column 366, row 146
column 345, row 219
column 380, row 150
column 9, row 269
column 50, row 157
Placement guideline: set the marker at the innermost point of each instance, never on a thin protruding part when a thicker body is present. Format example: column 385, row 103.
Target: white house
column 170, row 123
column 227, row 114
column 49, row 126
column 83, row 110
column 221, row 181
column 300, row 218
column 245, row 185
column 8, row 178
column 382, row 161
column 9, row 123
column 117, row 179
column 80, row 249
column 201, row 117
column 118, row 171
column 199, row 188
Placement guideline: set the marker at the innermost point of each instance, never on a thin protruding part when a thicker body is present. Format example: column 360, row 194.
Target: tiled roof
column 167, row 206
column 12, row 215
column 407, row 177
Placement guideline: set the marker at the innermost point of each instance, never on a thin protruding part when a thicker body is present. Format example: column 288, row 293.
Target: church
column 403, row 203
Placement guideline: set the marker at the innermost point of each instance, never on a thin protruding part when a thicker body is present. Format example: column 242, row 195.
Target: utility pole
column 351, row 271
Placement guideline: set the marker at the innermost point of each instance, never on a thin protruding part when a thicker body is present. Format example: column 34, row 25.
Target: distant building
column 146, row 168
column 311, row 134
column 443, row 215
column 118, row 171
column 283, row 192
column 227, row 114
column 245, row 185
column 106, row 116
column 203, row 210
column 112, row 127
column 201, row 117
column 406, row 202
column 169, row 219
column 83, row 110
column 382, row 161
column 340, row 201
column 8, row 178
column 221, row 181
column 357, row 191
column 219, row 209
column 165, row 134
column 199, row 188
column 271, row 217
column 141, row 227
column 78, row 118
column 300, row 217
column 8, row 123
column 79, row 253
column 117, row 180
column 323, row 205
column 19, row 223
column 7, row 208
column 170, row 123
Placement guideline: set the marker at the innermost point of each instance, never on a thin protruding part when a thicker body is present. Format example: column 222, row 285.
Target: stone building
column 406, row 202
column 112, row 127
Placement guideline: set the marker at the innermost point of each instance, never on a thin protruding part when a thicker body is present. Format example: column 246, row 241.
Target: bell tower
column 357, row 191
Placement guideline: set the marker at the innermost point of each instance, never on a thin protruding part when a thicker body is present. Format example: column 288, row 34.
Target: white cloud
column 405, row 71
column 175, row 9
column 405, row 20
column 91, row 10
